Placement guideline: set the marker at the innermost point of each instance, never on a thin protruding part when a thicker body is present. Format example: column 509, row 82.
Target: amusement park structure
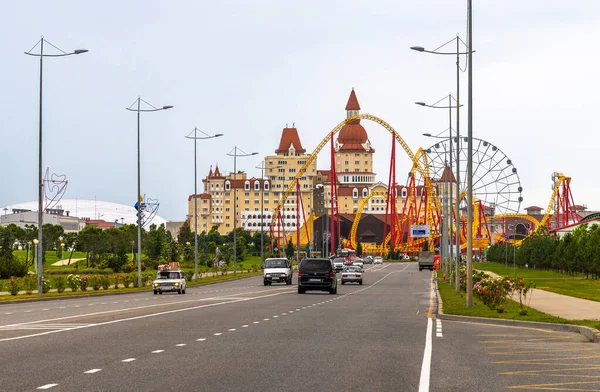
column 496, row 198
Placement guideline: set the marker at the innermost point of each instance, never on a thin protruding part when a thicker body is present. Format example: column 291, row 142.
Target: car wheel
column 155, row 292
column 343, row 282
column 360, row 282
column 301, row 290
column 265, row 283
column 160, row 292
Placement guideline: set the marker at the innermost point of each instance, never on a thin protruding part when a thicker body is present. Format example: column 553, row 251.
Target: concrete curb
column 592, row 334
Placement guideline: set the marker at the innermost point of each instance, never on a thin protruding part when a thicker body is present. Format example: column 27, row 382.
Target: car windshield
column 339, row 260
column 167, row 275
column 278, row 263
column 351, row 269
column 315, row 265
column 378, row 258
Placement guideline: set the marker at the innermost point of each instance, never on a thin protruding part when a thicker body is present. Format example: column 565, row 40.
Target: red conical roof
column 290, row 136
column 352, row 101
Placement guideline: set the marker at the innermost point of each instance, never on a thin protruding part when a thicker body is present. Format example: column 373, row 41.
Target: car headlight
column 156, row 284
column 176, row 284
column 268, row 275
column 283, row 274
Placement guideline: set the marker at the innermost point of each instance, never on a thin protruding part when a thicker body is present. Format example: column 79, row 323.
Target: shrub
column 493, row 292
column 94, row 281
column 60, row 283
column 73, row 281
column 83, row 282
column 104, row 281
column 30, row 283
column 14, row 285
column 523, row 290
column 45, row 285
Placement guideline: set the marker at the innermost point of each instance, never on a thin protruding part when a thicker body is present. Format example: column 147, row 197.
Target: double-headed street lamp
column 458, row 53
column 236, row 152
column 136, row 107
column 41, row 55
column 196, row 137
column 450, row 106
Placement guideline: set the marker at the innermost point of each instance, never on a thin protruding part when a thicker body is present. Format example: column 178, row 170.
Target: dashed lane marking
column 158, row 351
column 180, row 345
column 128, row 360
column 201, row 339
column 217, row 334
column 231, row 329
column 47, row 386
column 438, row 328
column 92, row 371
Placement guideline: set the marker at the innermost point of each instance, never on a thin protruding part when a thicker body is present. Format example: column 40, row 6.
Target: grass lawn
column 456, row 304
column 549, row 280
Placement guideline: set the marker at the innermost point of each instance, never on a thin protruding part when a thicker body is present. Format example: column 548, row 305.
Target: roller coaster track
column 424, row 171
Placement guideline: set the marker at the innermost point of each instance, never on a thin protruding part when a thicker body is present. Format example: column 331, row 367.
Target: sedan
column 357, row 263
column 352, row 274
column 378, row 260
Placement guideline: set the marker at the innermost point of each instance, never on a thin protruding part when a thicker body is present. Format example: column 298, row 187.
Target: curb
column 98, row 293
column 592, row 334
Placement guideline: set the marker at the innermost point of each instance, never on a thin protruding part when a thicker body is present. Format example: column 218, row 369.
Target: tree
column 289, row 250
column 156, row 244
column 173, row 251
column 359, row 249
column 185, row 234
column 90, row 239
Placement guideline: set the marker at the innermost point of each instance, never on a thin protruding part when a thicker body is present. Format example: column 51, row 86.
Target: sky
column 247, row 68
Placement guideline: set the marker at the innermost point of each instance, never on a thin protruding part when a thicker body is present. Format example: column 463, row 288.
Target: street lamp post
column 234, row 153
column 456, row 106
column 41, row 55
column 470, row 159
column 457, row 53
column 135, row 107
column 196, row 137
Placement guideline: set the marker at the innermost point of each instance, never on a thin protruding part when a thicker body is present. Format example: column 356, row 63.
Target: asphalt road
column 243, row 336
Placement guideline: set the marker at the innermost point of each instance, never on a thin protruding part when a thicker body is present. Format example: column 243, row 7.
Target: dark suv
column 316, row 274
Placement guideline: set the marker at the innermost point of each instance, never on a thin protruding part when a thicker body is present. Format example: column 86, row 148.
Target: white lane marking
column 28, row 311
column 77, row 306
column 231, row 329
column 8, row 313
column 284, row 314
column 266, row 319
column 128, row 360
column 137, row 317
column 92, row 371
column 62, row 307
column 102, row 303
column 256, row 322
column 426, row 366
column 245, row 326
column 438, row 329
column 217, row 334
column 45, row 309
column 201, row 339
column 297, row 310
column 158, row 351
column 90, row 304
column 304, row 307
column 180, row 345
column 291, row 311
column 47, row 386
column 275, row 316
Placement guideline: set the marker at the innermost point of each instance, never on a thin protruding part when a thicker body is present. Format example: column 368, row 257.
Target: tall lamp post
column 450, row 106
column 195, row 137
column 236, row 152
column 262, row 168
column 41, row 55
column 457, row 53
column 136, row 107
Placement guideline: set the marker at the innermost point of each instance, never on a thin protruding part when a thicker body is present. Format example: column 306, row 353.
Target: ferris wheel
column 495, row 178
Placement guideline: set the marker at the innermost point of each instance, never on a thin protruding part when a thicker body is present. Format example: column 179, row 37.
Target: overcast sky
column 248, row 68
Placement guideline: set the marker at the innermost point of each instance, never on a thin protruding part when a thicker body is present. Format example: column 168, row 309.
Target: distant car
column 338, row 263
column 358, row 263
column 352, row 274
column 378, row 260
column 368, row 260
column 169, row 280
column 317, row 274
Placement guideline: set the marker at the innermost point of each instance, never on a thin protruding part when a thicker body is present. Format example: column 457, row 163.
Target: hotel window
column 247, row 186
column 227, row 186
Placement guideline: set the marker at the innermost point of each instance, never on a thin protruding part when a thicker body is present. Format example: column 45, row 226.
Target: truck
column 277, row 270
column 426, row 260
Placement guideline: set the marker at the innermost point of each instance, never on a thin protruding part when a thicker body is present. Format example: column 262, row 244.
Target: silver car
column 358, row 263
column 378, row 260
column 352, row 274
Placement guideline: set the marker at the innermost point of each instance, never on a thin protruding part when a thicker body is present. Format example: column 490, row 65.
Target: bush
column 12, row 267
column 30, row 283
column 83, row 282
column 60, row 283
column 73, row 281
column 104, row 281
column 45, row 285
column 14, row 285
column 94, row 282
column 493, row 292
column 74, row 271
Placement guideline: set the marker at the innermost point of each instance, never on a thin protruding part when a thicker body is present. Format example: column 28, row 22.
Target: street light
column 41, row 55
column 450, row 106
column 457, row 53
column 262, row 192
column 138, row 203
column 196, row 137
column 234, row 153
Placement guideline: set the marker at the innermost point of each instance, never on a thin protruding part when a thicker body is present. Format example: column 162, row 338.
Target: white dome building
column 92, row 209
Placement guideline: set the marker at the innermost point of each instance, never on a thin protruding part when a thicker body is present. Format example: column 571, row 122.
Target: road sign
column 505, row 238
column 420, row 231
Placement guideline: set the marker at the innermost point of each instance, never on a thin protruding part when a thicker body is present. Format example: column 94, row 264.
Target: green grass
column 549, row 280
column 456, row 304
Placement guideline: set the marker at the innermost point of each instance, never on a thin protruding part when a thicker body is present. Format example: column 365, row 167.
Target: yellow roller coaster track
column 560, row 179
column 424, row 171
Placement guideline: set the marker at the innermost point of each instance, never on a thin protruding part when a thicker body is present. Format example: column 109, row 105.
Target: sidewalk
column 569, row 308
